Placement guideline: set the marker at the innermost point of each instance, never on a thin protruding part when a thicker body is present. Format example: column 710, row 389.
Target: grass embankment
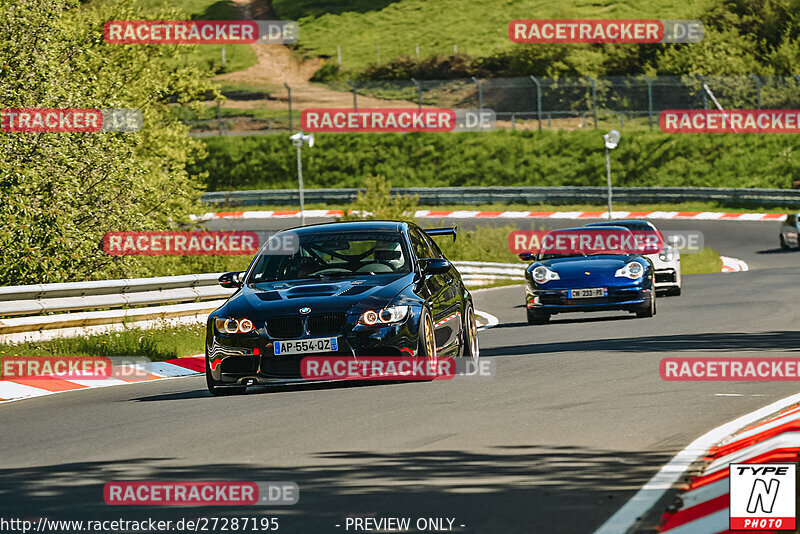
column 399, row 26
column 505, row 158
column 158, row 344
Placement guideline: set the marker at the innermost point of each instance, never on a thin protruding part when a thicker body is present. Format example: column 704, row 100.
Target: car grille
column 285, row 327
column 326, row 323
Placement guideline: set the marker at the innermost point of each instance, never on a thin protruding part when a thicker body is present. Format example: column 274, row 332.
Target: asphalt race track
column 576, row 420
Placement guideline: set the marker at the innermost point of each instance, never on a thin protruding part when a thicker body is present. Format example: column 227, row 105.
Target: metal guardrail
column 519, row 195
column 98, row 303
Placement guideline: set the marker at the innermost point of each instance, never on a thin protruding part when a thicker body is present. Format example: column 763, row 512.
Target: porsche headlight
column 228, row 325
column 667, row 254
column 542, row 274
column 392, row 314
column 632, row 270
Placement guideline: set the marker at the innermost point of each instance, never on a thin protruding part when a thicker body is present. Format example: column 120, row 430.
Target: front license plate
column 592, row 292
column 305, row 346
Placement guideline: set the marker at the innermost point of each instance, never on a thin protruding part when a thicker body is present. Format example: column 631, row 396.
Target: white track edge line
column 644, row 499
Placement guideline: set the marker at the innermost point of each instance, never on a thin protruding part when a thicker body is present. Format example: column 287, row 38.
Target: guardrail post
column 594, row 98
column 289, row 90
column 758, row 88
column 419, row 93
column 538, row 100
column 219, row 116
column 480, row 92
column 355, row 104
column 649, row 100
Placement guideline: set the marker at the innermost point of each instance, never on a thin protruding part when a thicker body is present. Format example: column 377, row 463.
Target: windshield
column 335, row 255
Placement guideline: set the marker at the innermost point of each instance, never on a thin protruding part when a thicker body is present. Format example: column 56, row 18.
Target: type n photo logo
column 763, row 496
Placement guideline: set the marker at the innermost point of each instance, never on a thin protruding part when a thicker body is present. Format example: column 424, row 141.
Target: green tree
column 61, row 192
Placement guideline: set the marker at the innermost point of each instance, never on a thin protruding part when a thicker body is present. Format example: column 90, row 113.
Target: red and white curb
column 466, row 214
column 769, row 434
column 23, row 388
column 733, row 265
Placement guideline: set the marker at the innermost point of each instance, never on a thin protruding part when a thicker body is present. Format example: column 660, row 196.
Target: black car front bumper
column 235, row 359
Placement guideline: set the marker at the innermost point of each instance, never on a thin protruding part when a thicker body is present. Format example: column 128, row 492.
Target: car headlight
column 542, row 274
column 392, row 314
column 228, row 325
column 632, row 270
column 667, row 254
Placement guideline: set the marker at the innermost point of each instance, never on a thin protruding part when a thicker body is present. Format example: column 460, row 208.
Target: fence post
column 223, row 55
column 538, row 100
column 219, row 116
column 455, row 49
column 289, row 90
column 758, row 86
column 480, row 92
column 419, row 93
column 649, row 100
column 355, row 103
column 378, row 47
column 594, row 99
column 339, row 55
column 417, row 51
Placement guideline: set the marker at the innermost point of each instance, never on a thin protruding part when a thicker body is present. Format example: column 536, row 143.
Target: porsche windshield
column 332, row 255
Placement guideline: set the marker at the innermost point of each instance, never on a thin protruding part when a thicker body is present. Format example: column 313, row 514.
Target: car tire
column 426, row 344
column 650, row 310
column 537, row 317
column 674, row 292
column 784, row 246
column 470, row 347
column 221, row 391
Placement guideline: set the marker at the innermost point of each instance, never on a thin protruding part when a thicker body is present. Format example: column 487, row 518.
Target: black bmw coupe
column 349, row 289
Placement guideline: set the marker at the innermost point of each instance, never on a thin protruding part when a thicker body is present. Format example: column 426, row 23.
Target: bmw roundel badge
column 305, row 310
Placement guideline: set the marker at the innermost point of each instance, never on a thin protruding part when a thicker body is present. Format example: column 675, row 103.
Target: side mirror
column 231, row 280
column 434, row 265
column 527, row 256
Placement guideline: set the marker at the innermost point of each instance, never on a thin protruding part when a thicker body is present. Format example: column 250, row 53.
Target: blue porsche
column 574, row 279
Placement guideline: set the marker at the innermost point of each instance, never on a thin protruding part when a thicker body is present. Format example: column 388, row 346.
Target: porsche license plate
column 305, row 346
column 588, row 293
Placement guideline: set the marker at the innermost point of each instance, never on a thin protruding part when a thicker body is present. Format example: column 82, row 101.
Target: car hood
column 578, row 265
column 322, row 296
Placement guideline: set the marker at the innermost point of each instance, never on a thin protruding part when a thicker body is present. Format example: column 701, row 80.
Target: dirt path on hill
column 278, row 64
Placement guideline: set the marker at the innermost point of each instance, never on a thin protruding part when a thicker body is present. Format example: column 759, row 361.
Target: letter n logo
column 763, row 496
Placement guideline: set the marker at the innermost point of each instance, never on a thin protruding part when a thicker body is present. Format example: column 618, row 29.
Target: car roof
column 627, row 223
column 350, row 226
column 579, row 228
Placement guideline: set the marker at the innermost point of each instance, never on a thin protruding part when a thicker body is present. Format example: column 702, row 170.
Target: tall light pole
column 612, row 140
column 298, row 140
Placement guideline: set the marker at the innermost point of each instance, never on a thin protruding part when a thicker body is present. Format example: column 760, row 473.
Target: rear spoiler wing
column 433, row 232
